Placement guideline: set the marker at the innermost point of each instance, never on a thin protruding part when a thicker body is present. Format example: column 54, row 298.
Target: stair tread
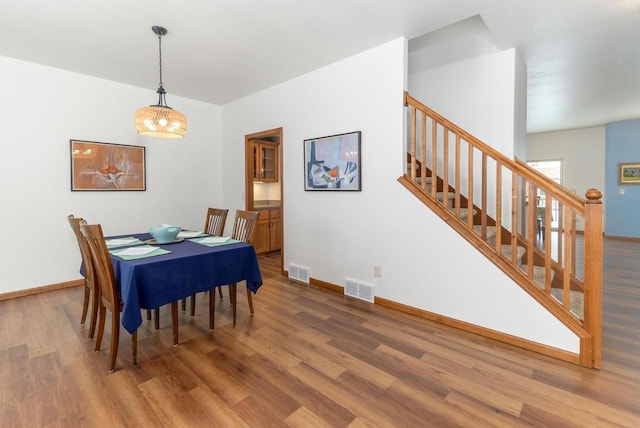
column 429, row 180
column 576, row 299
column 440, row 195
column 538, row 273
column 491, row 230
column 506, row 251
column 464, row 212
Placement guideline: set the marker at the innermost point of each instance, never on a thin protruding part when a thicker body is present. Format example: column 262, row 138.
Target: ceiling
column 582, row 56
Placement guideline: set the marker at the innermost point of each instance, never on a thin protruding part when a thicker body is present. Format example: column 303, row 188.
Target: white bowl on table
column 164, row 233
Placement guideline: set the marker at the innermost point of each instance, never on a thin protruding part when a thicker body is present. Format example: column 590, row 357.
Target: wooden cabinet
column 275, row 231
column 268, row 231
column 265, row 161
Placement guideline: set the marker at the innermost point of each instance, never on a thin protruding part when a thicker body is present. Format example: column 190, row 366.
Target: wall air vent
column 359, row 290
column 299, row 273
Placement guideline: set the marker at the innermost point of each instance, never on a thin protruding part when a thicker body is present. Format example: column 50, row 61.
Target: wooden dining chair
column 213, row 225
column 243, row 227
column 215, row 221
column 109, row 291
column 90, row 282
column 110, row 297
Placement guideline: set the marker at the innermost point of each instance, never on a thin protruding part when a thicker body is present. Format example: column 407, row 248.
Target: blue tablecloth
column 149, row 283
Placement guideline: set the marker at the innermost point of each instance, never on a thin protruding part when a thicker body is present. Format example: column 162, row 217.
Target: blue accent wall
column 622, row 212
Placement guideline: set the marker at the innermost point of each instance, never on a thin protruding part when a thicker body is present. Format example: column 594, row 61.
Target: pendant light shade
column 160, row 120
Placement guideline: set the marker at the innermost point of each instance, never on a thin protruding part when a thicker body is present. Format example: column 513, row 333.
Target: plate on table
column 154, row 242
column 190, row 234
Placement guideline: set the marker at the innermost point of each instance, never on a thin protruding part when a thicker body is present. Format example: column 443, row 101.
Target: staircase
column 498, row 205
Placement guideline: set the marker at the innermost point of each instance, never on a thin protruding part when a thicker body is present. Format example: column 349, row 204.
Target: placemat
column 214, row 241
column 139, row 252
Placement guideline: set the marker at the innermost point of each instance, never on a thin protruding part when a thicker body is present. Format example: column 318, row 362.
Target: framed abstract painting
column 333, row 162
column 103, row 166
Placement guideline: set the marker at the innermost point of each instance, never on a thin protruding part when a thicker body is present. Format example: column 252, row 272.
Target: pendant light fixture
column 160, row 120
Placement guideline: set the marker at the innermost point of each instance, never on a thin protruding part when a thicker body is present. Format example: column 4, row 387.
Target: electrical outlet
column 621, row 191
column 377, row 271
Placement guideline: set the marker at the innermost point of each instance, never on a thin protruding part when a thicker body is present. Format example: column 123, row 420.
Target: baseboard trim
column 519, row 342
column 327, row 285
column 38, row 290
column 622, row 238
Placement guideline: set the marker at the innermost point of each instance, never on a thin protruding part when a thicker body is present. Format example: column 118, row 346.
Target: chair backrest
column 85, row 252
column 102, row 263
column 215, row 221
column 244, row 225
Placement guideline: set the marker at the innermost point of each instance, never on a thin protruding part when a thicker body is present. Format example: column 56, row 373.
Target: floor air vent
column 299, row 273
column 359, row 290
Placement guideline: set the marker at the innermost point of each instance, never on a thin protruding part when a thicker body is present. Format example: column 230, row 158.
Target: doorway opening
column 263, row 190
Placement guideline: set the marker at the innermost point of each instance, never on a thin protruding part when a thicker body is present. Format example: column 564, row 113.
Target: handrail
column 495, row 191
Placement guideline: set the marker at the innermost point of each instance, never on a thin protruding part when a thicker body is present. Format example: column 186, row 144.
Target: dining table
column 167, row 273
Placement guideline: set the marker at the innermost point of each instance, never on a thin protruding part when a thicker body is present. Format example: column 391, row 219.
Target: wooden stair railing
column 545, row 237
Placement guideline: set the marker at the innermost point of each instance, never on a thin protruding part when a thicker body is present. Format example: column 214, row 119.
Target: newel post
column 593, row 238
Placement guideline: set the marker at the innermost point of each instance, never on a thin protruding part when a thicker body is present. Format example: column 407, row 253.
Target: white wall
column 43, row 108
column 520, row 102
column 425, row 264
column 476, row 94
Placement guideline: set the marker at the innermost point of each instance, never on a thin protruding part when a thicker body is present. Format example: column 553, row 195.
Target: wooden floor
column 312, row 358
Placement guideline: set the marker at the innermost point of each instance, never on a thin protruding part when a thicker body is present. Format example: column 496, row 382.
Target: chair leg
column 101, row 320
column 85, row 304
column 156, row 322
column 134, row 346
column 250, row 299
column 184, row 304
column 212, row 308
column 220, row 292
column 232, row 292
column 115, row 336
column 95, row 301
column 148, row 314
column 174, row 321
column 193, row 305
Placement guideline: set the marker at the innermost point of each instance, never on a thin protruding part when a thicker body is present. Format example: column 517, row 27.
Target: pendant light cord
column 162, row 101
column 160, row 56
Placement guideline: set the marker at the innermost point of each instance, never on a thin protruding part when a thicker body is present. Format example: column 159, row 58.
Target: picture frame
column 629, row 173
column 333, row 163
column 107, row 167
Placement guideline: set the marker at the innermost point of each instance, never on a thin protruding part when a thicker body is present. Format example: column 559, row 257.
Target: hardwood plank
column 374, row 375
column 306, row 395
column 365, row 409
column 303, row 418
column 483, row 414
column 301, row 351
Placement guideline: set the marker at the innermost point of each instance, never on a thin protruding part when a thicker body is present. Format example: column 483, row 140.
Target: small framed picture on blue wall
column 629, row 173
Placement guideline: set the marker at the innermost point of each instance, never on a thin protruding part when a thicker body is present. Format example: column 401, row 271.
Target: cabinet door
column 269, row 162
column 256, row 161
column 261, row 236
column 275, row 234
